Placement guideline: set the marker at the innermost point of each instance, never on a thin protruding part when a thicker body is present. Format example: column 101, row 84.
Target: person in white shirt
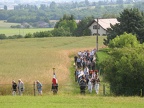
column 86, row 70
column 97, row 82
column 20, row 87
column 90, row 85
column 79, row 53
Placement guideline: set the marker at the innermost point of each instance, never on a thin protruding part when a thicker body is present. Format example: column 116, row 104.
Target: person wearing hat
column 14, row 87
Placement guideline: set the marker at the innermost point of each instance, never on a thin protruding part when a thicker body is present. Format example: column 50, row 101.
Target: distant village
column 10, row 4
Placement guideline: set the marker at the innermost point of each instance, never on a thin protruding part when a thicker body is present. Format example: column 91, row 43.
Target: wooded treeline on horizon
column 32, row 13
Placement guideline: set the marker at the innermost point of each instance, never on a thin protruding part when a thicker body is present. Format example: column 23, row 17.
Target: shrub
column 124, row 70
column 124, row 40
column 15, row 37
column 3, row 36
column 43, row 34
column 29, row 35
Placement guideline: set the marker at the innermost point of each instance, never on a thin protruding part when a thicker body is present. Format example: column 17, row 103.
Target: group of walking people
column 86, row 74
column 19, row 87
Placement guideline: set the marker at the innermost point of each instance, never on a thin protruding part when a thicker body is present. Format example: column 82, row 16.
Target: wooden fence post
column 104, row 89
column 141, row 92
column 34, row 85
column 110, row 90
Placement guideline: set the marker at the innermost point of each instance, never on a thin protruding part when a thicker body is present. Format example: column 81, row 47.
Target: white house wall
column 101, row 31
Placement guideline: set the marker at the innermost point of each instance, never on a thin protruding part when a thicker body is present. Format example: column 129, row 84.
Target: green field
column 70, row 101
column 23, row 32
column 5, row 29
column 4, row 24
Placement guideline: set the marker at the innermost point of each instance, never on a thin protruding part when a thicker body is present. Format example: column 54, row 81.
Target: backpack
column 82, row 84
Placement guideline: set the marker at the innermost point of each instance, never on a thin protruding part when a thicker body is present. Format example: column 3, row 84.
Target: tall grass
column 33, row 59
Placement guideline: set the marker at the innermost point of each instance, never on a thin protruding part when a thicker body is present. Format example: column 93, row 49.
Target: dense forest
column 32, row 14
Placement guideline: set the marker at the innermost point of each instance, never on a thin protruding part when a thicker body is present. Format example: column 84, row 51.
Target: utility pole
column 97, row 35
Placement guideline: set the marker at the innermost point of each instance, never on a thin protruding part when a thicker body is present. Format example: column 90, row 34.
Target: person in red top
column 54, row 83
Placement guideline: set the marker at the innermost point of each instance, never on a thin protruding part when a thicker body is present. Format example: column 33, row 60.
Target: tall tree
column 130, row 21
column 53, row 5
column 82, row 29
column 67, row 23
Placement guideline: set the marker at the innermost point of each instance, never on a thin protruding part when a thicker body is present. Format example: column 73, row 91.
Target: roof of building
column 105, row 23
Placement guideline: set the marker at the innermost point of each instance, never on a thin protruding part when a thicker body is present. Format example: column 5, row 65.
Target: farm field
column 23, row 32
column 4, row 24
column 33, row 59
column 5, row 29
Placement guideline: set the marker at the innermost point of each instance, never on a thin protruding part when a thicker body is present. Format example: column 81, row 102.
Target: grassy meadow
column 5, row 29
column 4, row 24
column 33, row 59
column 69, row 101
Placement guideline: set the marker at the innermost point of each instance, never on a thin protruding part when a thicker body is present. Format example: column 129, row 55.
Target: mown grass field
column 5, row 29
column 4, row 24
column 23, row 32
column 70, row 101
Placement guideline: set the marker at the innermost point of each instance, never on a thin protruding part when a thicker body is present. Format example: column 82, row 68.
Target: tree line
column 54, row 11
column 130, row 21
column 66, row 26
